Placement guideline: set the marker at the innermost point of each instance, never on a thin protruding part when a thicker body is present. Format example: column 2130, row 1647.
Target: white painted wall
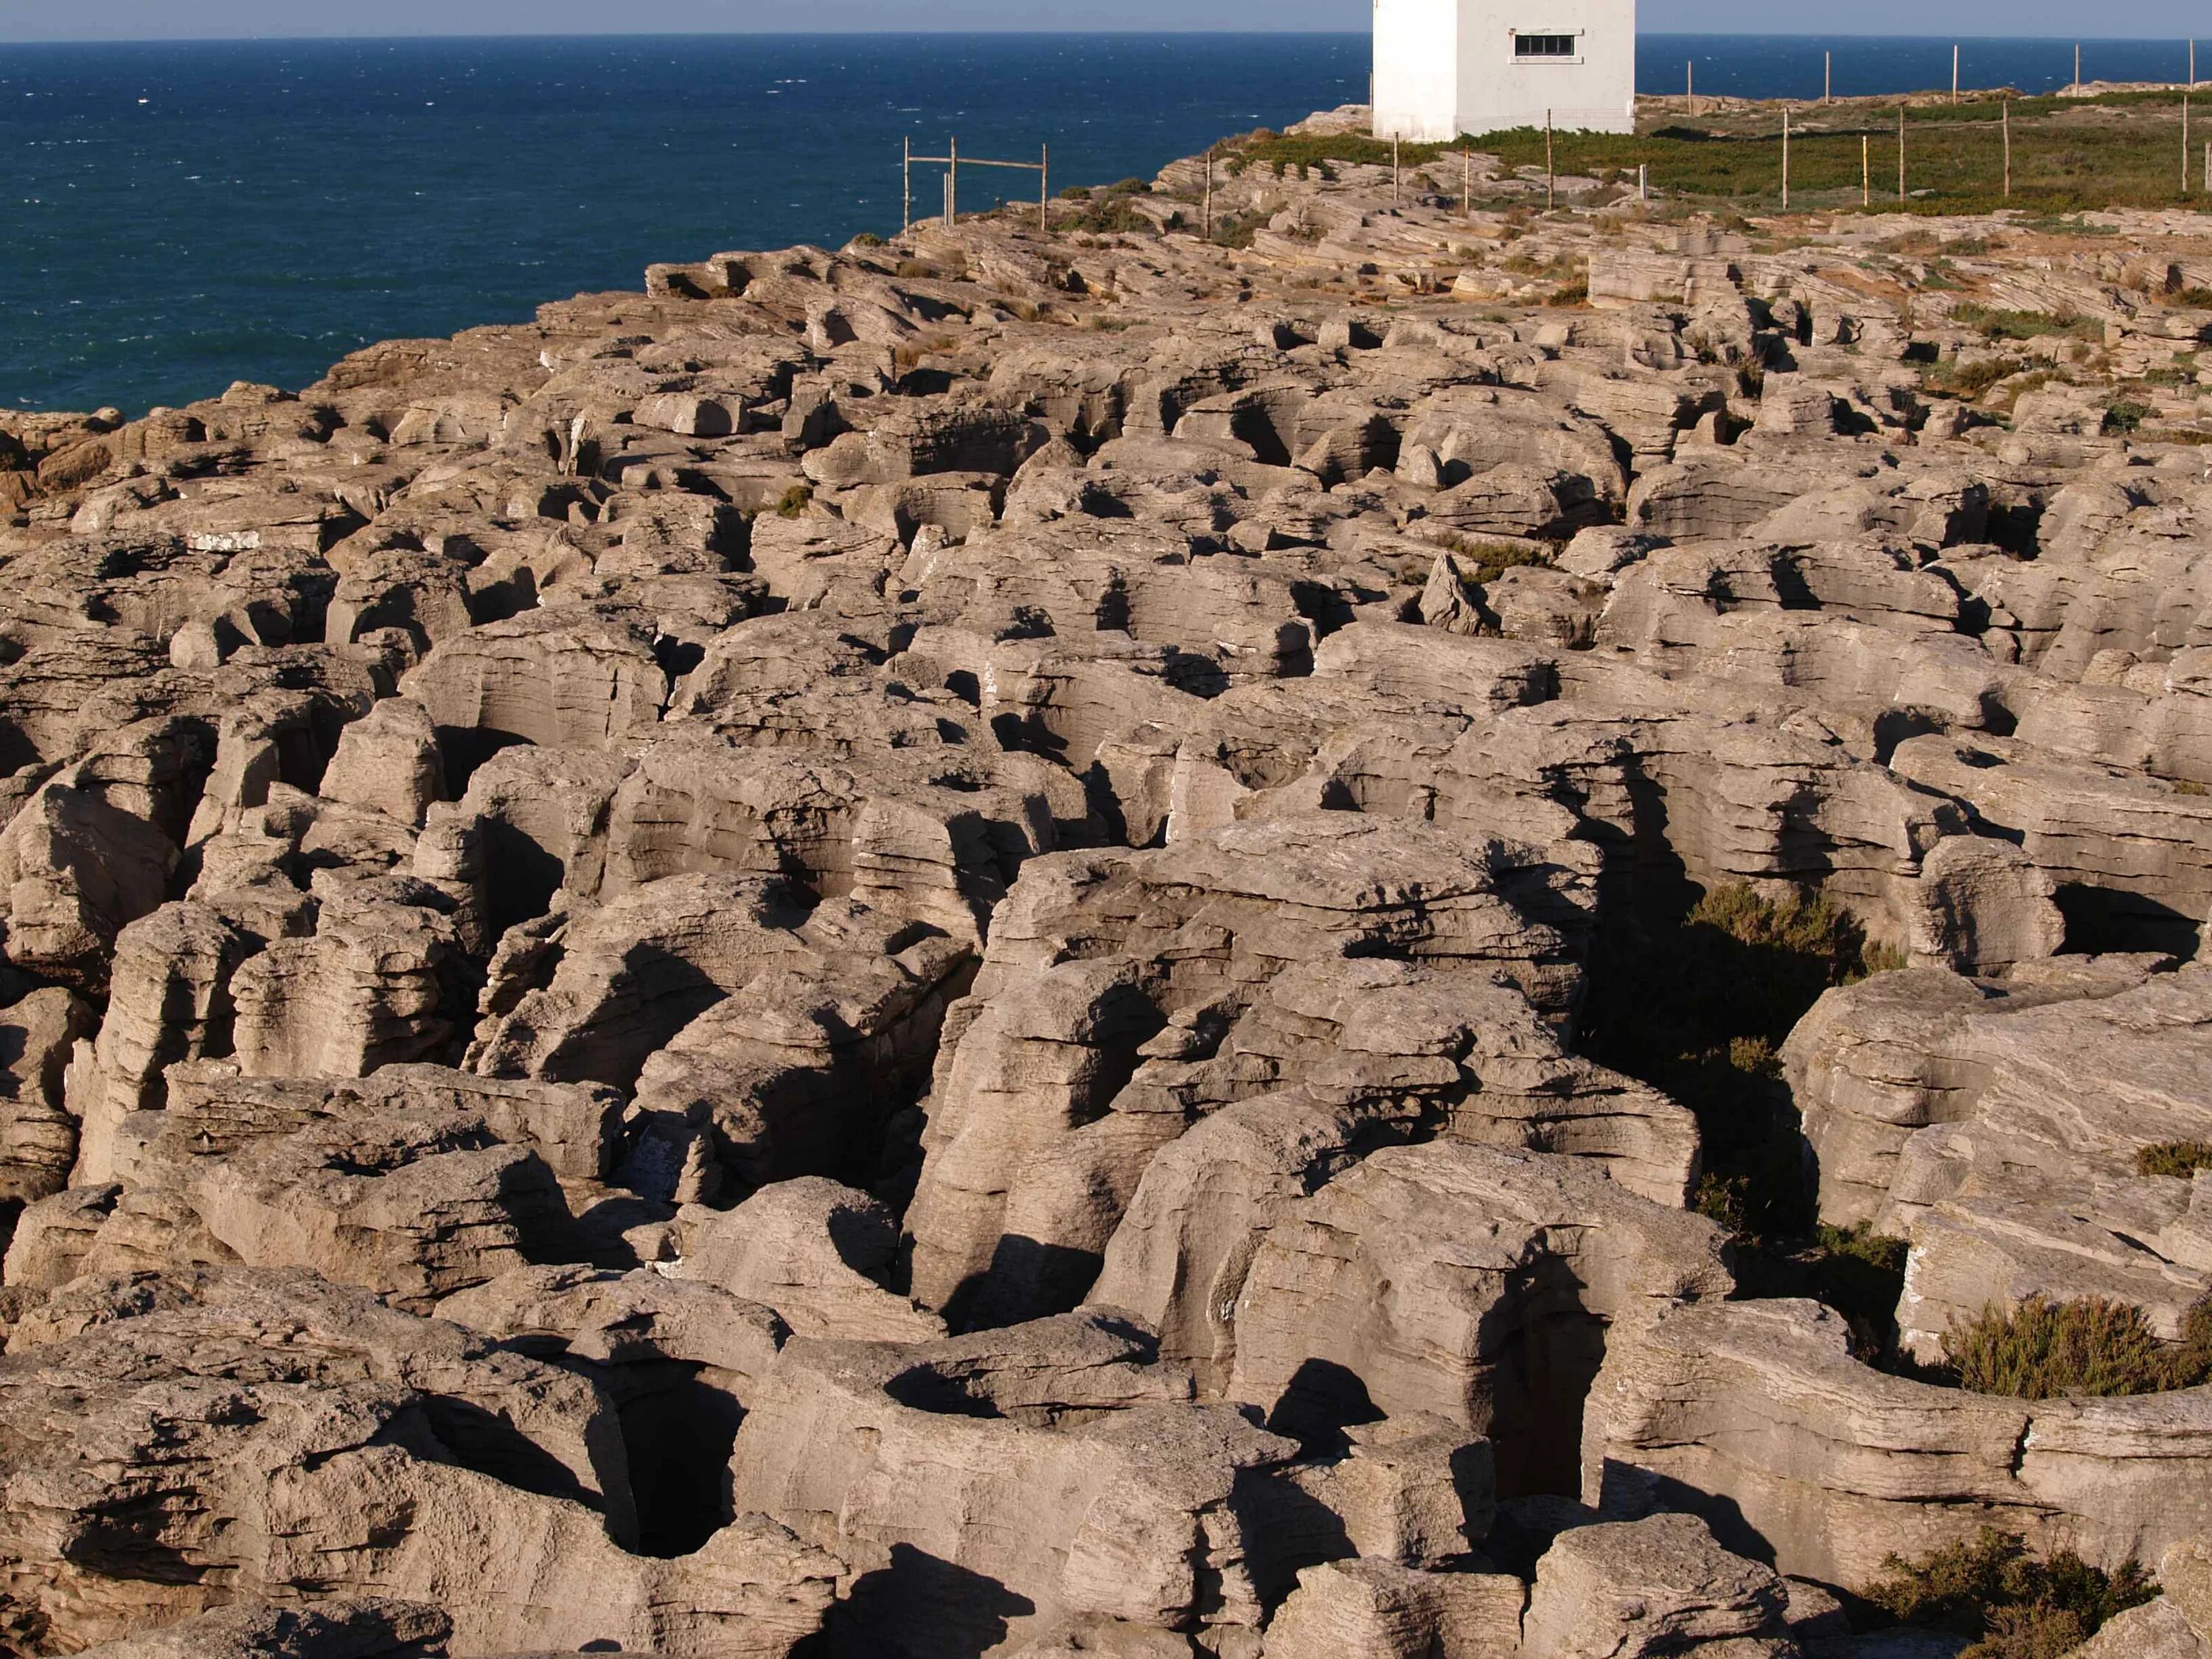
column 1416, row 69
column 1446, row 67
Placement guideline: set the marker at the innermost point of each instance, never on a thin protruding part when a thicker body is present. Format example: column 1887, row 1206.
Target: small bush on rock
column 1700, row 1009
column 1491, row 559
column 2015, row 1605
column 1107, row 211
column 2042, row 1350
column 2026, row 325
column 2174, row 1157
column 2126, row 415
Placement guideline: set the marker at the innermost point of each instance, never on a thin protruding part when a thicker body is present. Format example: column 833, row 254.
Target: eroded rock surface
column 899, row 951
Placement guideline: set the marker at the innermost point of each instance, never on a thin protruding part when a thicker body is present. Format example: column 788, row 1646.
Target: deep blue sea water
column 175, row 217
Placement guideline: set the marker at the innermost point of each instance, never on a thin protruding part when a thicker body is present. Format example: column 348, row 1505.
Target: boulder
column 76, row 871
column 1755, row 1416
column 1363, row 1609
column 1481, row 1288
column 1656, row 1586
column 819, row 1253
column 1061, row 1078
column 369, row 1628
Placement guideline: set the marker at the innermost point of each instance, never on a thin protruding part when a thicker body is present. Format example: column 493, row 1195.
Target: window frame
column 1573, row 38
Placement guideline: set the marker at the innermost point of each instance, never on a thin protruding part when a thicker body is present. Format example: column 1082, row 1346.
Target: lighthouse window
column 1543, row 45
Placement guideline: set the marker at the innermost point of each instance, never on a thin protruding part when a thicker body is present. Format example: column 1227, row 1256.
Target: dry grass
column 2068, row 155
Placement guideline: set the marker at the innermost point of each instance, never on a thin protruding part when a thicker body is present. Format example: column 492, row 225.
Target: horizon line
column 1042, row 33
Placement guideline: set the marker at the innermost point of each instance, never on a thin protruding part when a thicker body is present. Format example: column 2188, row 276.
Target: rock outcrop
column 956, row 947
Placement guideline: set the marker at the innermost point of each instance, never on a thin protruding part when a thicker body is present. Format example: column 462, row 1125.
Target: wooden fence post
column 2184, row 143
column 950, row 162
column 1828, row 76
column 1866, row 172
column 1786, row 160
column 1550, row 172
column 2008, row 149
column 2077, row 66
column 1466, row 181
column 1394, row 170
column 1690, row 84
column 1954, row 73
column 1900, row 152
column 1207, row 231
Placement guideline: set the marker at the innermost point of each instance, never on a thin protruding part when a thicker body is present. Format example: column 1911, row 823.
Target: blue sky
column 142, row 20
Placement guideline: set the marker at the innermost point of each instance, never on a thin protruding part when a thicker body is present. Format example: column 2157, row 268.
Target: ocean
column 176, row 217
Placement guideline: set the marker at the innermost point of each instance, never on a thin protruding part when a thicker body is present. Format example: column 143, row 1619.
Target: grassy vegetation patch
column 1106, row 212
column 2044, row 1350
column 2015, row 1605
column 2126, row 415
column 1700, row 1008
column 2175, row 1158
column 2068, row 156
column 1239, row 229
column 1491, row 560
column 1304, row 153
column 1971, row 378
column 2000, row 325
column 910, row 353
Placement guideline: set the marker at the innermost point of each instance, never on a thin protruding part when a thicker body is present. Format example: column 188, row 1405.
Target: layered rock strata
column 895, row 950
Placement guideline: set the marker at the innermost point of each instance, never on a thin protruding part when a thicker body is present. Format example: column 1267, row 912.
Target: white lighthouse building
column 1446, row 67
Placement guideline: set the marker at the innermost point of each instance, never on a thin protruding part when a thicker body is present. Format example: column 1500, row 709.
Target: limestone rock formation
column 366, row 1629
column 1755, row 1416
column 1656, row 1586
column 1950, row 1112
column 999, row 943
column 281, row 1441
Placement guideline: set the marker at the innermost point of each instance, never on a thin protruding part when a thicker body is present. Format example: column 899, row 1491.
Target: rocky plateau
column 891, row 951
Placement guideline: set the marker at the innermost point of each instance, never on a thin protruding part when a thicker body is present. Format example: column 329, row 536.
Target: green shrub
column 1999, row 325
column 1878, row 957
column 2015, row 1605
column 1238, row 230
column 1700, row 1008
column 1108, row 213
column 1863, row 1243
column 2174, row 1157
column 2032, row 1633
column 1860, row 1273
column 1808, row 927
column 1492, row 559
column 793, row 500
column 1969, row 381
column 2093, row 1347
column 1724, row 1200
column 2125, row 415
